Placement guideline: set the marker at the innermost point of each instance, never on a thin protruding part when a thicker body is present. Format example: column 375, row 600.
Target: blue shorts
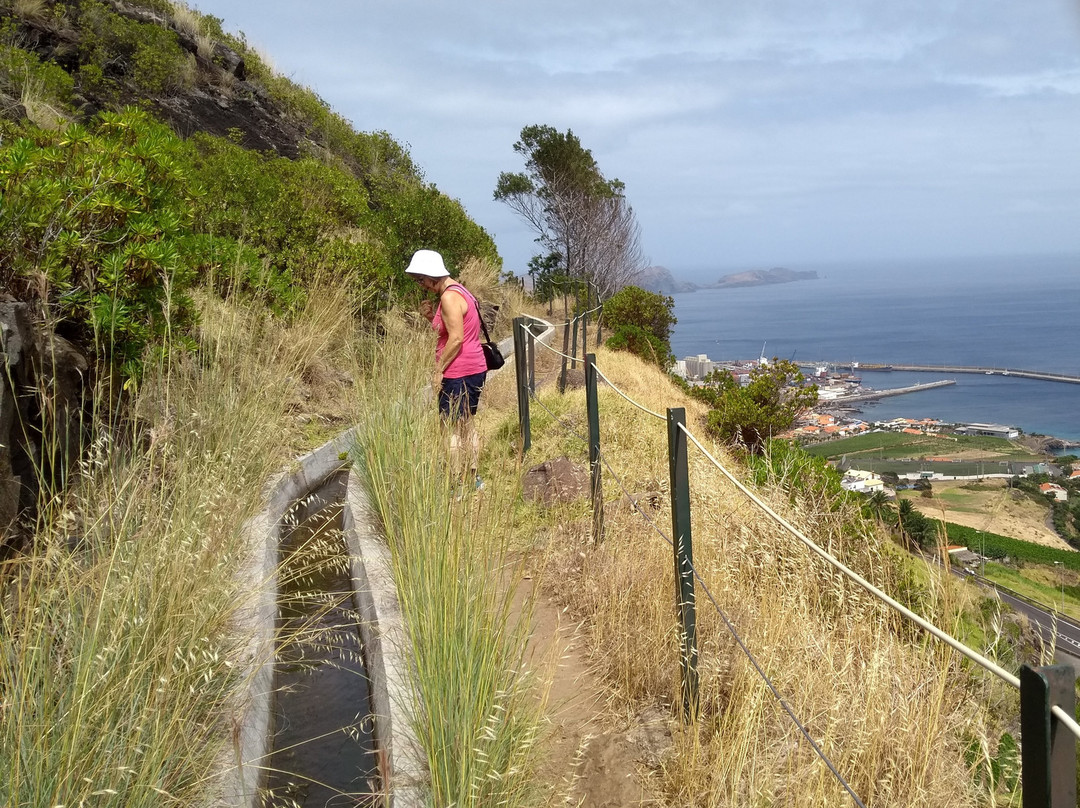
column 458, row 398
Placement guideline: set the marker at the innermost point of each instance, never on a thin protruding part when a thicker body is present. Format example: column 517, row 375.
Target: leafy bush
column 22, row 73
column 767, row 406
column 113, row 48
column 640, row 322
column 641, row 343
column 91, row 228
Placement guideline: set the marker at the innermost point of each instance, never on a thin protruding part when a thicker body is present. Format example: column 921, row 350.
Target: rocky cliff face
column 43, row 389
column 220, row 100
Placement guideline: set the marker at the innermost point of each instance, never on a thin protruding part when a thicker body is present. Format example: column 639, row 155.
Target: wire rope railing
column 926, row 625
column 576, row 317
column 1051, row 689
column 719, row 610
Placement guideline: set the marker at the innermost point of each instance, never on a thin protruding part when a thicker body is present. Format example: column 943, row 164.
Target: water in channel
column 323, row 749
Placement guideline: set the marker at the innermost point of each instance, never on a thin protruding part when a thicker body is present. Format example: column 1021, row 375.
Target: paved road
column 1066, row 634
column 1050, row 624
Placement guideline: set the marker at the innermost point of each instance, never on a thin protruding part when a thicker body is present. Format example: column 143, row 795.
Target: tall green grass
column 117, row 675
column 474, row 710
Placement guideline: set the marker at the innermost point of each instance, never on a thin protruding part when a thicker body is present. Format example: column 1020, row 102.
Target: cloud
column 768, row 124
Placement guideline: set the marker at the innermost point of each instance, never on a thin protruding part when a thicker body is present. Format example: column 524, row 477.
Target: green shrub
column 641, row 343
column 121, row 48
column 640, row 322
column 299, row 217
column 411, row 215
column 23, row 72
column 766, row 407
column 91, row 223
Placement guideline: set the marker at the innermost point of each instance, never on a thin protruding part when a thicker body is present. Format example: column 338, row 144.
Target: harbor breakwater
column 985, row 371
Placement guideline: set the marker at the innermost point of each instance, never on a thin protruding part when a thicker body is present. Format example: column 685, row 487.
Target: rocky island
column 763, row 277
column 660, row 279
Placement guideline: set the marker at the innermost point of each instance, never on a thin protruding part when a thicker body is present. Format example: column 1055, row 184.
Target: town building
column 989, row 430
column 698, row 367
column 863, row 482
column 1054, row 490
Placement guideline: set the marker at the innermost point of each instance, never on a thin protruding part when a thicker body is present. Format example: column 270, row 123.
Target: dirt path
column 591, row 758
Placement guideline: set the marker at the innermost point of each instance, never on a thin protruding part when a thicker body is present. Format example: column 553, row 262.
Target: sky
column 748, row 133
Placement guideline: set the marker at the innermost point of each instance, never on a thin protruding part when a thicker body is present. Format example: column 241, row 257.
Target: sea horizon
column 1008, row 312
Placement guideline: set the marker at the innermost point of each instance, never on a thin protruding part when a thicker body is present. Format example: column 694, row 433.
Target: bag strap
column 476, row 303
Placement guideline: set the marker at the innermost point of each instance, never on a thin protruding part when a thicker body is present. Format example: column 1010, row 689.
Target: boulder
column 553, row 481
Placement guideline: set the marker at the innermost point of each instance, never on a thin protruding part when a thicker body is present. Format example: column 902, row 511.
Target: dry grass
column 893, row 712
column 31, row 10
column 39, row 107
column 116, row 679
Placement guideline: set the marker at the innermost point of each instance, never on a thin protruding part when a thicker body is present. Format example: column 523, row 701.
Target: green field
column 992, row 545
column 895, row 446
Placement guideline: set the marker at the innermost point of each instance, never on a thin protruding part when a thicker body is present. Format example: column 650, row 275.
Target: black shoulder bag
column 492, row 355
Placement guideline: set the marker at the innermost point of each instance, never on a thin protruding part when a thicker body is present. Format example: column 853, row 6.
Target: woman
column 460, row 367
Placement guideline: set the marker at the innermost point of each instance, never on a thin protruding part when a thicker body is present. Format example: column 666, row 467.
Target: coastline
column 1001, row 313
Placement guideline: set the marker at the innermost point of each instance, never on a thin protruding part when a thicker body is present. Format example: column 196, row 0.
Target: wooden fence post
column 684, row 559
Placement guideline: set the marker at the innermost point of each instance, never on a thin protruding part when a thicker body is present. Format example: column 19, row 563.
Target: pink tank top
column 470, row 360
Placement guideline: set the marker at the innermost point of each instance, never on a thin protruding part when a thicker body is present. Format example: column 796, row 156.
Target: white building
column 1055, row 490
column 698, row 367
column 989, row 430
column 863, row 482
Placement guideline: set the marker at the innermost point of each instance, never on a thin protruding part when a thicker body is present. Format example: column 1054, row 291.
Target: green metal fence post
column 1047, row 749
column 521, row 368
column 684, row 559
column 585, row 319
column 592, row 406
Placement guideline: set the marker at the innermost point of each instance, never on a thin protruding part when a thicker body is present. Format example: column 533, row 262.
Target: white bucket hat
column 427, row 263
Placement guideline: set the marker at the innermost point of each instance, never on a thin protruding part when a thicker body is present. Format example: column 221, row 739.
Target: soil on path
column 591, row 758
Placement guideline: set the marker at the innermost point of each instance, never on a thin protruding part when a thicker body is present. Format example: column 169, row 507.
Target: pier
column 896, row 391
column 985, row 371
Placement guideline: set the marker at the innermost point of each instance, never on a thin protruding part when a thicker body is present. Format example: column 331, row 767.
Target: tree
column 880, row 507
column 767, row 406
column 919, row 530
column 576, row 213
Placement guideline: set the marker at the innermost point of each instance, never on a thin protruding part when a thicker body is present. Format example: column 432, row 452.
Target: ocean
column 1017, row 312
